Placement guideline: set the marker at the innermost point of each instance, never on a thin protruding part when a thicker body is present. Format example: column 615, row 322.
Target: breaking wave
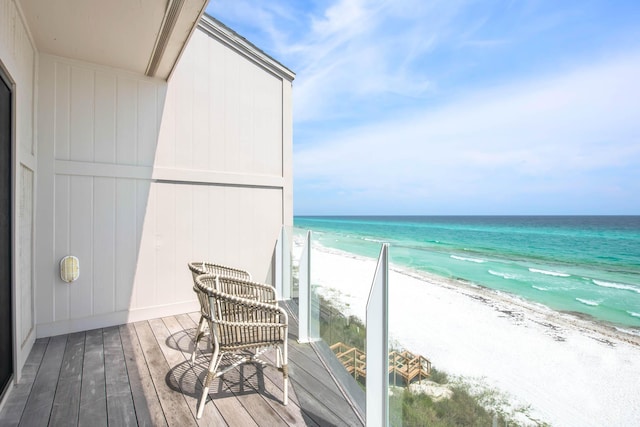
column 588, row 302
column 616, row 286
column 461, row 258
column 503, row 275
column 549, row 273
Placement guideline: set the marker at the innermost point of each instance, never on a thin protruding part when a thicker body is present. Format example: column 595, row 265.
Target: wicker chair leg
column 196, row 341
column 285, row 373
column 213, row 366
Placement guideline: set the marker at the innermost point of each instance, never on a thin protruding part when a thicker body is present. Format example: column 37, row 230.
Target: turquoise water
column 585, row 264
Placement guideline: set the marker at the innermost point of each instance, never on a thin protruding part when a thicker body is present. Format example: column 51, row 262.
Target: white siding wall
column 98, row 131
column 136, row 186
column 222, row 139
column 224, row 113
column 17, row 59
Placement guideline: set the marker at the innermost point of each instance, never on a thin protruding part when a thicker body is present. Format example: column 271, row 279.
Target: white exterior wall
column 98, row 131
column 224, row 137
column 18, row 62
column 137, row 177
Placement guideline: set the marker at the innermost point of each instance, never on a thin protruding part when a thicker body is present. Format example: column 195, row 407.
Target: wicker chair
column 198, row 268
column 239, row 324
column 242, row 287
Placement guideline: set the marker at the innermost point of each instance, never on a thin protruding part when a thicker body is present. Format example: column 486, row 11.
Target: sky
column 447, row 107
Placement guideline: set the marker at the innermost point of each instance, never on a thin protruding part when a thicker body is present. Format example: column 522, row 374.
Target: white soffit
column 143, row 36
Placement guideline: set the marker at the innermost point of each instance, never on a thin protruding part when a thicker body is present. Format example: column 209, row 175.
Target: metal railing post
column 377, row 386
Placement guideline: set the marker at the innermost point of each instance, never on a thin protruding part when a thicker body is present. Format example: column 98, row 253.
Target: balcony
column 140, row 374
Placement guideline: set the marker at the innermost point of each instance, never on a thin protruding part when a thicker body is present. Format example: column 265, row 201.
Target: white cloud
column 542, row 134
column 358, row 49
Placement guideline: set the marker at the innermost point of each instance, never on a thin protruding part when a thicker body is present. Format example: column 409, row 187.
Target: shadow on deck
column 140, row 374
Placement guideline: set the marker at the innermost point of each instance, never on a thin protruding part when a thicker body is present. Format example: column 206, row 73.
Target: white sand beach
column 570, row 370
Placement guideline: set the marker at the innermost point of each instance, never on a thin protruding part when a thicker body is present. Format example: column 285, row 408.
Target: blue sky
column 457, row 107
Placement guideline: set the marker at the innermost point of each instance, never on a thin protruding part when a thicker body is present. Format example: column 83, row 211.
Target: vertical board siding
column 61, row 239
column 217, row 109
column 104, row 245
column 268, row 98
column 228, row 113
column 45, row 194
column 82, row 102
column 201, row 114
column 104, row 132
column 144, row 283
column 165, row 242
column 126, row 121
column 185, row 218
column 104, row 117
column 184, row 93
column 134, row 234
column 25, row 253
column 126, row 242
column 147, row 125
column 93, row 114
column 81, row 245
column 61, row 109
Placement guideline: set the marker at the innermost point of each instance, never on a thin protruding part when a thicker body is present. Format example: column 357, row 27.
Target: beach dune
column 572, row 371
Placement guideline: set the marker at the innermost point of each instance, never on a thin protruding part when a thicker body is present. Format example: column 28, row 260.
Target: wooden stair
column 404, row 364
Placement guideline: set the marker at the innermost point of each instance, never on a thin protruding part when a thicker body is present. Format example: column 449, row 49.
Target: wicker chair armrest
column 246, row 289
column 202, row 267
column 264, row 309
column 257, row 306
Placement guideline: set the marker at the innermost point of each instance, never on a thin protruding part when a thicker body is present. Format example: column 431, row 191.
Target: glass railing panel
column 377, row 345
column 314, row 305
column 341, row 281
column 284, row 265
column 434, row 375
column 298, row 239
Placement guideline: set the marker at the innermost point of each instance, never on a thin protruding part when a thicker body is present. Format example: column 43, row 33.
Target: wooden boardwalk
column 403, row 364
column 140, row 374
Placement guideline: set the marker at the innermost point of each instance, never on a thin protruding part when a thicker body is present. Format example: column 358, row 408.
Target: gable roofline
column 226, row 35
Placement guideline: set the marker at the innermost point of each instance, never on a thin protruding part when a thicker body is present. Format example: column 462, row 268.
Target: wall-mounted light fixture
column 69, row 269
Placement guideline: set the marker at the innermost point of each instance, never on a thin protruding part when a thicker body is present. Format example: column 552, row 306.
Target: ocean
column 582, row 264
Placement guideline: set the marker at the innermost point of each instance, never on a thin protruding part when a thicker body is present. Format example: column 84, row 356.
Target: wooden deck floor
column 140, row 374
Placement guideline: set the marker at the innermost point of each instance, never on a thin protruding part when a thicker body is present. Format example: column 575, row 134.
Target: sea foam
column 549, row 273
column 461, row 258
column 503, row 275
column 368, row 239
column 540, row 288
column 588, row 302
column 633, row 313
column 616, row 286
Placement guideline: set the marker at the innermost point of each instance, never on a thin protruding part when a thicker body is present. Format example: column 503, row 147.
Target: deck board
column 176, row 410
column 14, row 406
column 228, row 405
column 141, row 374
column 66, row 403
column 145, row 400
column 40, row 401
column 120, row 410
column 93, row 406
column 183, row 378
